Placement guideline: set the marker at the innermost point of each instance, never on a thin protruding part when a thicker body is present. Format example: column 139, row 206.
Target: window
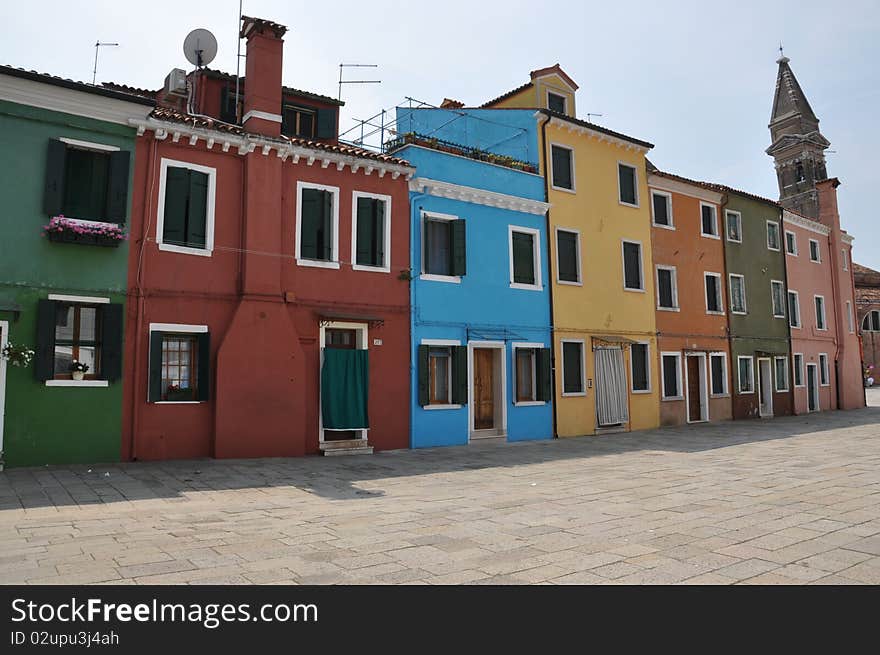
column 791, row 243
column 714, row 303
column 661, row 208
column 746, row 372
column 573, row 368
column 798, row 370
column 86, row 180
column 179, row 363
column 77, row 339
column 640, row 368
column 824, row 375
column 850, row 321
column 562, row 161
column 794, row 309
column 442, row 374
column 708, row 220
column 734, row 226
column 298, row 122
column 525, row 258
column 555, row 102
column 627, row 180
column 317, row 225
column 632, row 266
column 772, row 235
column 781, row 366
column 871, row 322
column 671, row 376
column 737, row 294
column 440, row 367
column 185, row 222
column 444, row 252
column 844, row 258
column 568, row 256
column 532, row 378
column 777, row 298
column 815, row 254
column 371, row 232
column 718, row 369
column 667, row 287
column 820, row 313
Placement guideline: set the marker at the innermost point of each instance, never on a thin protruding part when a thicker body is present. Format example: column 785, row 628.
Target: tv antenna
column 592, row 114
column 341, row 81
column 200, row 47
column 98, row 45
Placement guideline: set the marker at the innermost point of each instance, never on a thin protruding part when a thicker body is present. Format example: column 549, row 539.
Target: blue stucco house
column 480, row 290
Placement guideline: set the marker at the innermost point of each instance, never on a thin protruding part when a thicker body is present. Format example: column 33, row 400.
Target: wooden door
column 694, row 390
column 343, row 340
column 484, row 389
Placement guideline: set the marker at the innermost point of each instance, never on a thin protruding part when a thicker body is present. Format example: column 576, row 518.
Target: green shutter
column 197, row 209
column 365, row 232
column 326, row 128
column 44, row 357
column 86, row 176
column 176, row 204
column 117, row 186
column 227, row 105
column 459, row 247
column 379, row 232
column 543, row 375
column 327, row 231
column 53, row 192
column 422, row 373
column 310, row 221
column 204, row 363
column 523, row 258
column 111, row 341
column 459, row 375
column 155, row 371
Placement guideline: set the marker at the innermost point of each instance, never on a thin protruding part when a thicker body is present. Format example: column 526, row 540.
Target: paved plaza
column 788, row 501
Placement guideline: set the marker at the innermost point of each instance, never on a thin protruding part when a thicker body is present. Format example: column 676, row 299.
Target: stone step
column 337, row 452
column 343, row 444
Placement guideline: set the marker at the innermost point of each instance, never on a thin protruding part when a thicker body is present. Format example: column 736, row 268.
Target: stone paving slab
column 789, row 501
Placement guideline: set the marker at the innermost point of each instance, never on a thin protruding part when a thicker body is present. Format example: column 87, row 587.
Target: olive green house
column 65, row 185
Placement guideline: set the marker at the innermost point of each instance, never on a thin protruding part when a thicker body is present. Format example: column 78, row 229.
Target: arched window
column 800, row 173
column 871, row 322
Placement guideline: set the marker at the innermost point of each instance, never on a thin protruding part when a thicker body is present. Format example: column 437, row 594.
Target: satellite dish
column 200, row 47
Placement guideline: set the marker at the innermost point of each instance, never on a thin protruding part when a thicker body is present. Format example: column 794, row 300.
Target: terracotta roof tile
column 865, row 277
column 124, row 88
column 75, row 85
column 555, row 68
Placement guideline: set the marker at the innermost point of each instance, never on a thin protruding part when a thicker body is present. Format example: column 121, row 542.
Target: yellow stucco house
column 605, row 344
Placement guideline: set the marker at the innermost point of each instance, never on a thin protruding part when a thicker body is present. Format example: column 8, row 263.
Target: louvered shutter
column 459, row 247
column 53, row 192
column 117, row 186
column 44, row 357
column 111, row 341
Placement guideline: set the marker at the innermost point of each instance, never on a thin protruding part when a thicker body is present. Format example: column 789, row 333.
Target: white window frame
column 641, row 288
column 818, row 259
column 845, row 259
column 726, row 391
column 386, row 267
column 536, row 257
column 718, row 277
column 668, row 196
column 177, row 328
column 85, row 300
column 577, row 233
column 850, row 319
column 824, row 372
column 647, row 345
column 635, row 184
column 793, row 235
column 751, row 375
column 443, row 343
column 798, row 371
column 784, row 298
column 675, row 306
column 573, row 188
column 210, row 202
column 583, row 391
column 678, row 375
column 824, row 327
column 717, row 234
column 745, row 309
column 533, row 347
column 776, row 387
column 727, row 214
column 431, row 277
column 797, row 310
column 558, row 95
column 334, row 252
column 778, row 236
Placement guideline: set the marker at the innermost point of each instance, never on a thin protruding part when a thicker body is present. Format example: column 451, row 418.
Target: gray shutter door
column 111, row 341
column 459, row 247
column 561, row 158
column 326, row 128
column 53, row 192
column 197, row 210
column 365, row 232
column 176, row 205
column 543, row 375
column 311, row 213
column 44, row 357
column 459, row 375
column 117, row 186
column 155, row 381
column 204, row 379
column 422, row 373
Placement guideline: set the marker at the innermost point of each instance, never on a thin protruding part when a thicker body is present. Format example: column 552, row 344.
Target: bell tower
column 797, row 147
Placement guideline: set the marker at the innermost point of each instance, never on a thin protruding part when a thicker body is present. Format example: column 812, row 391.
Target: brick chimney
column 262, row 90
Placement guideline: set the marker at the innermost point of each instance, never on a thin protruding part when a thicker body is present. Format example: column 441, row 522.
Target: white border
column 91, row 300
column 727, row 215
column 794, row 241
column 778, row 236
column 798, row 371
column 431, row 277
column 704, row 388
column 583, row 391
column 850, row 318
column 558, row 95
column 730, row 291
column 641, row 288
column 776, row 375
column 77, row 383
column 526, row 346
column 179, row 328
column 635, row 182
column 726, row 392
column 678, row 377
column 718, row 277
column 663, row 267
column 739, row 389
column 824, row 314
column 386, row 267
column 577, row 234
column 818, row 259
column 334, row 238
column 797, row 307
column 818, row 380
column 717, row 234
column 209, row 208
column 784, row 298
column 759, row 387
column 824, row 372
column 573, row 188
column 494, row 345
column 647, row 345
column 668, row 196
column 536, row 257
column 88, row 145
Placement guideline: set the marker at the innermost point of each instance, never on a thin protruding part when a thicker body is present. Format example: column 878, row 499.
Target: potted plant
column 65, row 230
column 17, row 355
column 78, row 370
column 175, row 392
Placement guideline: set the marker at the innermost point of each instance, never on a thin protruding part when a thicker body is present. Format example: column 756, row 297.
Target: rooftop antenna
column 589, row 115
column 98, row 45
column 200, row 47
column 238, row 57
column 341, row 81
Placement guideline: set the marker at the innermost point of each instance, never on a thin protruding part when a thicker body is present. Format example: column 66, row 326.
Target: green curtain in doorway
column 345, row 389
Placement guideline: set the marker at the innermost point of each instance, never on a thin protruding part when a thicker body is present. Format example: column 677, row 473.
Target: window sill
column 739, row 313
column 775, row 316
column 563, row 189
column 664, row 227
column 672, row 399
column 435, row 407
column 184, row 250
column 317, row 263
column 529, row 403
column 745, row 393
column 714, row 396
column 628, row 204
column 526, row 287
column 800, row 386
column 77, row 383
column 640, row 392
column 791, row 254
column 634, row 290
column 795, row 327
column 816, row 261
column 573, row 394
column 711, row 313
column 712, row 236
column 734, row 240
column 178, row 402
column 370, row 269
column 571, row 283
column 773, row 249
column 669, row 309
column 450, row 279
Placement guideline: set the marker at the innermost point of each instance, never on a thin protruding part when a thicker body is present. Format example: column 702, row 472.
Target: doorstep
column 345, row 447
column 612, row 429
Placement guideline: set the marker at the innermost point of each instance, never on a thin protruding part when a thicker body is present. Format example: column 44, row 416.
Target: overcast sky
column 691, row 77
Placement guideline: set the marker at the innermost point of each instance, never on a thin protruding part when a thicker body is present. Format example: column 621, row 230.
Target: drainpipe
column 544, row 120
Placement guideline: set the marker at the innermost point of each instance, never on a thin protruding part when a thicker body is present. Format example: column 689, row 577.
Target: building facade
column 867, row 289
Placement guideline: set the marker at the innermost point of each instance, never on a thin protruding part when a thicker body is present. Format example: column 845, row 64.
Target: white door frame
column 760, row 362
column 502, row 361
column 362, row 344
column 704, row 389
column 4, row 339
column 815, row 385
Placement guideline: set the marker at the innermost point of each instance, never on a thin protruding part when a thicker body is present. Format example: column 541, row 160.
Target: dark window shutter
column 664, row 282
column 632, row 266
column 326, row 128
column 327, row 229
column 53, row 193
column 155, row 381
column 459, row 247
column 561, row 158
column 543, row 375
column 627, row 178
column 571, row 365
column 111, row 341
column 197, row 209
column 523, row 258
column 423, row 371
column 176, row 203
column 365, row 231
column 311, row 215
column 567, row 254
column 379, row 232
column 227, row 105
column 117, row 186
column 204, row 363
column 44, row 357
column 459, row 375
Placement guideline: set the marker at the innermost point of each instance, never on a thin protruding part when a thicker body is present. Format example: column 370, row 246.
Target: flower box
column 179, row 395
column 66, row 230
column 66, row 236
